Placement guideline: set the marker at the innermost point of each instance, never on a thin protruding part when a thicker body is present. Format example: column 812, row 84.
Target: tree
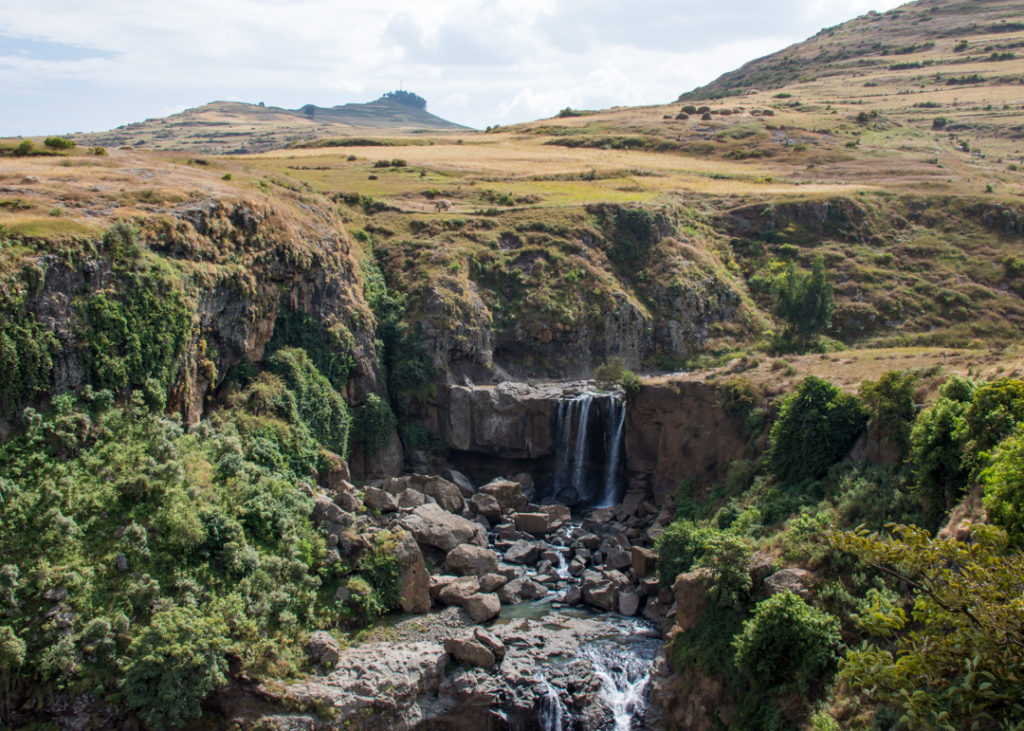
column 1003, row 481
column 816, row 426
column 957, row 659
column 176, row 661
column 787, row 642
column 890, row 400
column 804, row 300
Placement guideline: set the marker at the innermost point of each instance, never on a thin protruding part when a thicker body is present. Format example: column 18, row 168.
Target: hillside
column 235, row 127
column 631, row 359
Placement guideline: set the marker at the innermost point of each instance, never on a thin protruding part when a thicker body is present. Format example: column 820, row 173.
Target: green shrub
column 373, row 424
column 25, row 147
column 817, row 425
column 173, row 664
column 637, row 233
column 679, row 547
column 736, row 396
column 329, row 348
column 59, row 143
column 27, row 348
column 613, row 373
column 1003, row 482
column 936, row 450
column 321, row 407
column 804, row 300
column 995, row 411
column 890, row 402
column 787, row 642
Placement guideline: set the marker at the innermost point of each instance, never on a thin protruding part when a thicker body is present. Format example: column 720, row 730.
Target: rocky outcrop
column 413, row 579
column 432, row 525
column 679, row 428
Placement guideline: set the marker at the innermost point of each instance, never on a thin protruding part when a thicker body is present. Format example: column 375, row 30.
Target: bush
column 176, row 661
column 1003, row 482
column 613, row 373
column 890, row 401
column 816, row 426
column 319, row 405
column 995, row 411
column 679, row 547
column 59, row 143
column 373, row 424
column 787, row 642
column 25, row 147
column 935, row 446
column 804, row 300
column 736, row 397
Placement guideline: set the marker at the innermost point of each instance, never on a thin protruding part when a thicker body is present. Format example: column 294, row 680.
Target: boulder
column 482, row 607
column 525, row 552
column 462, row 482
column 489, row 641
column 376, row 499
column 573, row 596
column 512, row 592
column 629, row 603
column 413, row 579
column 533, row 523
column 558, row 515
column 492, row 582
column 644, row 561
column 323, row 650
column 508, row 494
column 618, row 558
column 533, row 590
column 469, row 652
column 337, row 476
column 599, row 591
column 438, row 583
column 434, row 526
column 447, row 495
column 329, row 516
column 486, row 505
column 468, row 559
column 458, row 591
column 691, row 595
column 408, row 499
column 791, row 579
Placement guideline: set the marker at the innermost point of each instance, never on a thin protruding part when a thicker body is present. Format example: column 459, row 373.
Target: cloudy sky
column 68, row 65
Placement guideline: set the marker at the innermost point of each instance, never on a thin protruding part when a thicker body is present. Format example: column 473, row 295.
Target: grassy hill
column 232, row 127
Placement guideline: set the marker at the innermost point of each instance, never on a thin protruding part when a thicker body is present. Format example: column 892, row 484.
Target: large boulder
column 434, row 526
column 486, row 505
column 523, row 551
column 691, row 594
column 534, row 523
column 644, row 561
column 458, row 591
column 413, row 579
column 791, row 579
column 379, row 500
column 444, row 493
column 458, row 479
column 468, row 559
column 482, row 607
column 323, row 650
column 470, row 652
column 330, row 516
column 602, row 589
column 558, row 515
column 508, row 494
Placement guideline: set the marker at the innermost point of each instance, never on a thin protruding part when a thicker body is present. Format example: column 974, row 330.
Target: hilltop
column 225, row 127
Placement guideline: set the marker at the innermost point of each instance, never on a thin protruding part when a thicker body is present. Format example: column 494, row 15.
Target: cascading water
column 573, row 482
column 551, row 712
column 624, row 678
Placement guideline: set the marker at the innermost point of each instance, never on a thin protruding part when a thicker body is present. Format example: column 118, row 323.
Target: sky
column 72, row 66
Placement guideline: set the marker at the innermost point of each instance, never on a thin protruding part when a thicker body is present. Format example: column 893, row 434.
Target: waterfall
column 573, row 437
column 624, row 677
column 616, row 416
column 551, row 711
column 580, row 452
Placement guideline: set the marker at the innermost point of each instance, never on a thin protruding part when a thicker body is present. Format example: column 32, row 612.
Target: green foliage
column 122, row 242
column 890, row 402
column 614, row 374
column 319, row 405
column 59, row 143
column 1003, row 482
column 173, row 664
column 134, row 333
column 935, row 447
column 637, row 232
column 996, row 409
column 373, row 424
column 804, row 300
column 27, row 348
column 787, row 643
column 817, row 425
column 954, row 660
column 736, row 396
column 679, row 547
column 24, row 148
column 330, row 349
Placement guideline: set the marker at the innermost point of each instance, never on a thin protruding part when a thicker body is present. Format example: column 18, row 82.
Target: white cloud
column 476, row 61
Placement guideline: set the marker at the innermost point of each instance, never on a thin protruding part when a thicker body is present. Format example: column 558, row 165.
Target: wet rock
column 434, row 526
column 323, row 650
column 508, row 494
column 586, row 540
column 413, row 580
column 533, row 590
column 629, row 603
column 533, row 523
column 524, row 552
column 468, row 559
column 573, row 596
column 644, row 561
column 470, row 652
column 486, row 505
column 791, row 579
column 376, row 499
column 482, row 607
